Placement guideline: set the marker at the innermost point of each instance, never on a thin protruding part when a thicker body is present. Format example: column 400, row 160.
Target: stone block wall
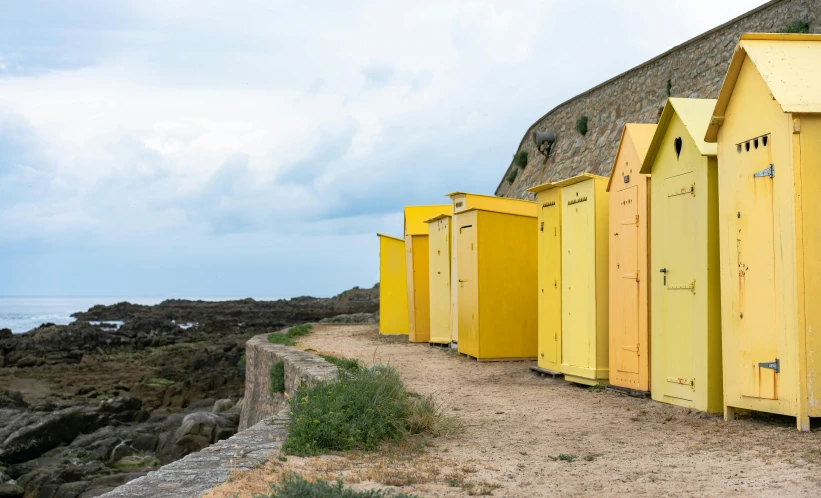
column 300, row 368
column 695, row 69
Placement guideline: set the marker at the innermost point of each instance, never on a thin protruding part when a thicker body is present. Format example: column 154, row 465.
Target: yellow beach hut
column 393, row 287
column 767, row 125
column 417, row 268
column 495, row 244
column 685, row 308
column 549, row 205
column 584, row 201
column 439, row 238
column 629, row 261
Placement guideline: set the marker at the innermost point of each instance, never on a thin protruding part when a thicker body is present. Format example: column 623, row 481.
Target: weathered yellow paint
column 685, row 307
column 463, row 202
column 495, row 247
column 439, row 238
column 393, row 287
column 769, row 115
column 416, row 260
column 584, row 203
column 549, row 203
column 629, row 261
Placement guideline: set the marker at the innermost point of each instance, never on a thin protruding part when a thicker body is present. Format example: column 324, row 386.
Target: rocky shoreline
column 86, row 407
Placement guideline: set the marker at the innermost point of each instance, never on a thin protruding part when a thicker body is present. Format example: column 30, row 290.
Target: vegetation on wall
column 669, row 86
column 520, row 159
column 511, row 177
column 581, row 125
column 796, row 27
column 276, row 378
column 289, row 338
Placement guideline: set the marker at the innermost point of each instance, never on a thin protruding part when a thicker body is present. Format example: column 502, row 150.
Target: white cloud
column 204, row 122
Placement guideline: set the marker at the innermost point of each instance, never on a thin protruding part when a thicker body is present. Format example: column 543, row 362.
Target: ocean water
column 21, row 314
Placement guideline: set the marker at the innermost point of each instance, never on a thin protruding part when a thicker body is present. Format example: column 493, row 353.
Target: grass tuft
column 289, row 338
column 796, row 27
column 295, row 486
column 346, row 364
column 520, row 159
column 276, row 378
column 159, row 382
column 581, row 125
column 358, row 411
column 511, row 177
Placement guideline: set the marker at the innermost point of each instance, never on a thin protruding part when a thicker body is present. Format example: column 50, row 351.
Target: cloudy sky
column 254, row 147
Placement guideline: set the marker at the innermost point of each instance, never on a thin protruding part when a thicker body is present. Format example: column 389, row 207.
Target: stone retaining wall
column 263, row 427
column 695, row 68
column 300, row 368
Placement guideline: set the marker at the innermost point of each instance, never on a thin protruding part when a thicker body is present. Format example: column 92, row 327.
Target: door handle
column 664, row 271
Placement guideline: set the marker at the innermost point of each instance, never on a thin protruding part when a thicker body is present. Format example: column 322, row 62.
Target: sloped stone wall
column 300, row 368
column 695, row 69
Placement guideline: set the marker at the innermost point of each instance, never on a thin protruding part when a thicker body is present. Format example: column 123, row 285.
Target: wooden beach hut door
column 679, row 258
column 578, row 275
column 626, row 234
column 754, row 238
column 468, row 292
column 550, row 282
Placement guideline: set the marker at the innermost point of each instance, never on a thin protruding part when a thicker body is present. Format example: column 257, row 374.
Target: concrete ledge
column 300, row 368
column 263, row 426
column 199, row 472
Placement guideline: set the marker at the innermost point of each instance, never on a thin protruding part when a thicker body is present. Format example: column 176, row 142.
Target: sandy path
column 516, row 421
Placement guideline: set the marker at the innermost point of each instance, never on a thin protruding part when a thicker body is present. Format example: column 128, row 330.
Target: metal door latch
column 772, row 365
column 664, row 271
column 766, row 173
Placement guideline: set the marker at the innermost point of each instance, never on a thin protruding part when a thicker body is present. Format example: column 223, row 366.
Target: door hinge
column 637, row 220
column 541, row 226
column 766, row 173
column 638, row 279
column 691, row 287
column 772, row 365
column 683, row 382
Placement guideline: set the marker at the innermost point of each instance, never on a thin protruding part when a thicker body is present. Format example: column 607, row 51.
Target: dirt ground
column 517, row 425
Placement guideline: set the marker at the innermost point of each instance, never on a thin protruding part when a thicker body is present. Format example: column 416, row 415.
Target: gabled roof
column 437, row 218
column 639, row 136
column 415, row 217
column 542, row 187
column 578, row 179
column 695, row 114
column 790, row 66
column 382, row 235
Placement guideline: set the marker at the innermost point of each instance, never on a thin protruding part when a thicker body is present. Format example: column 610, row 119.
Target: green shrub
column 796, row 27
column 241, row 362
column 512, row 175
column 357, row 411
column 346, row 364
column 581, row 125
column 294, row 486
column 276, row 378
column 289, row 338
column 520, row 159
column 669, row 86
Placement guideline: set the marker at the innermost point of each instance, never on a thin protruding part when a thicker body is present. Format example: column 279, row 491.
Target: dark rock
column 104, row 484
column 72, row 489
column 50, row 431
column 121, row 451
column 9, row 488
column 12, row 399
column 121, row 404
column 5, row 333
